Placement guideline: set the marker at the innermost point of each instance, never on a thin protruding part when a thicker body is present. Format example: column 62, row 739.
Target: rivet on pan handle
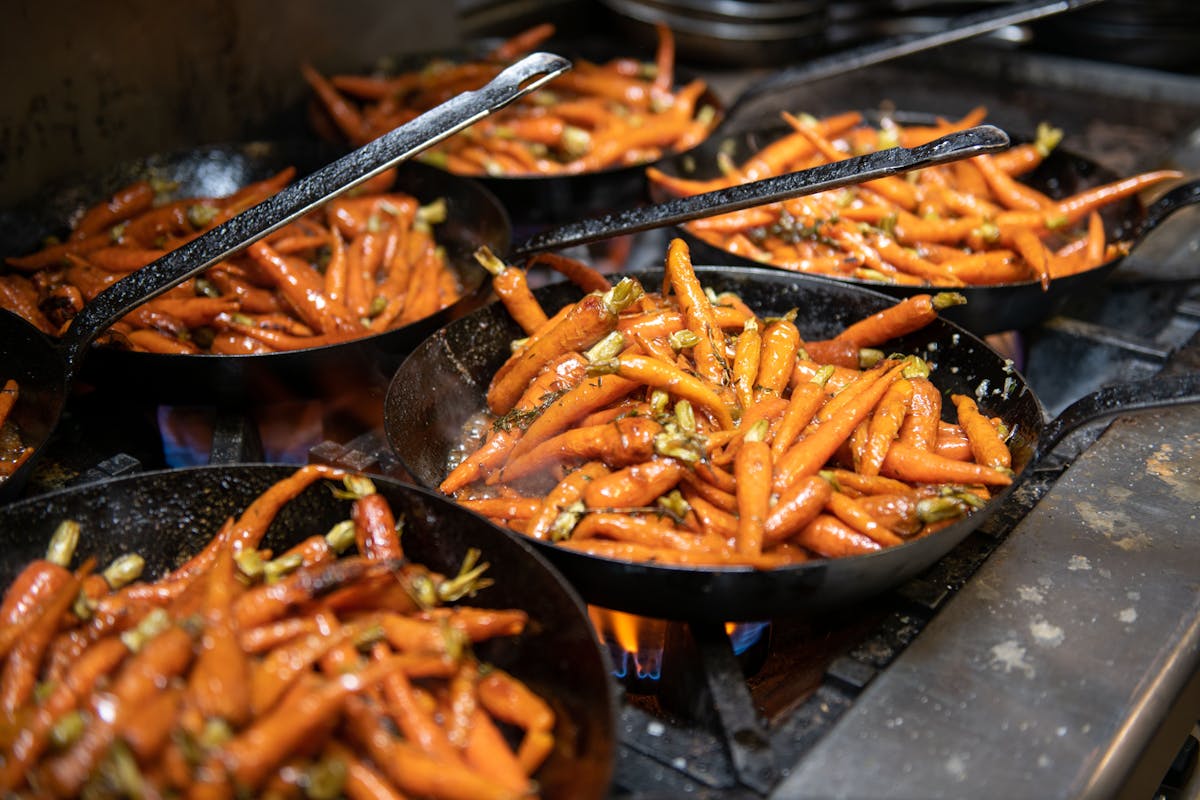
column 302, row 196
column 834, row 175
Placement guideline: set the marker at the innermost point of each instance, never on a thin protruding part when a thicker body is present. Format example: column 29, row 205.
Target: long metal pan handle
column 1182, row 196
column 302, row 196
column 958, row 29
column 834, row 175
column 1122, row 398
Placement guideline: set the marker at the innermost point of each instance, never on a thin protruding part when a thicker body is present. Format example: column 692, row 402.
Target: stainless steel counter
column 1069, row 666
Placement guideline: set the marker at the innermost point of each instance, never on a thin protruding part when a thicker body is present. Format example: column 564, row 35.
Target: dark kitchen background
column 887, row 701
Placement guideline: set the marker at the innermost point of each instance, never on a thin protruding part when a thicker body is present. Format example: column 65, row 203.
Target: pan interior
column 167, row 516
column 443, row 383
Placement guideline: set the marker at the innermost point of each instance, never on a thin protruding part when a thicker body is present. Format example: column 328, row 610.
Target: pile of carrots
column 681, row 428
column 968, row 223
column 13, row 451
column 595, row 117
column 361, row 264
column 247, row 673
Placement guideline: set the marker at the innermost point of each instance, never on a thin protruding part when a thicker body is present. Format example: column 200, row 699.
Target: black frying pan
column 444, row 381
column 989, row 309
column 474, row 218
column 167, row 516
column 45, row 370
column 540, row 201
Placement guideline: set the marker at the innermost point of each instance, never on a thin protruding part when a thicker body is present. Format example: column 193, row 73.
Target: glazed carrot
column 920, row 426
column 219, row 684
column 411, row 770
column 375, row 528
column 752, row 471
column 509, row 508
column 1007, row 191
column 623, row 442
column 19, row 674
column 697, row 313
column 1078, row 206
column 586, row 323
column 569, row 491
column 511, row 286
column 1035, row 254
column 95, row 663
column 885, row 426
column 910, row 314
column 796, row 507
column 832, row 538
column 585, row 277
column 780, row 343
column 810, row 454
column 635, row 485
column 362, row 781
column 558, row 376
column 304, row 289
column 986, row 445
column 252, row 525
column 125, row 203
column 571, row 407
column 805, row 400
column 347, row 118
column 747, row 353
column 659, row 375
column 1022, row 158
column 909, row 463
column 41, row 578
column 854, row 515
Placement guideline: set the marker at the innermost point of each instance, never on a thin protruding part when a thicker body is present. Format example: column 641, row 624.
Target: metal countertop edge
column 1019, row 687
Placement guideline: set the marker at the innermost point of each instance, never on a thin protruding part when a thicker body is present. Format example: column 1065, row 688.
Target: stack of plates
column 730, row 32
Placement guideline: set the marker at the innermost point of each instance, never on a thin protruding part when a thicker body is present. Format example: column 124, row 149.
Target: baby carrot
column 568, row 492
column 885, row 426
column 698, row 314
column 752, row 471
column 635, row 485
column 659, row 375
column 921, row 466
column 622, row 442
column 511, row 286
column 810, row 453
column 986, row 445
column 584, row 325
column 746, row 355
column 906, row 316
column 828, row 536
column 780, row 343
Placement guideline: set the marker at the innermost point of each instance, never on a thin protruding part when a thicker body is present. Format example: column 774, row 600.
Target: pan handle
column 1111, row 401
column 1182, row 196
column 833, row 175
column 302, row 196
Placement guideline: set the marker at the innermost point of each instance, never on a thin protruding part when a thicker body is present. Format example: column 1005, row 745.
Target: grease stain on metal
column 1031, row 594
column 1079, row 564
column 1010, row 655
column 1046, row 633
column 1128, row 615
column 956, row 766
column 1177, row 469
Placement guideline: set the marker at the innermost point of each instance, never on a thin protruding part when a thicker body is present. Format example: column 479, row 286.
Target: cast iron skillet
column 989, row 309
column 46, row 370
column 444, row 381
column 167, row 516
column 539, row 201
column 474, row 218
